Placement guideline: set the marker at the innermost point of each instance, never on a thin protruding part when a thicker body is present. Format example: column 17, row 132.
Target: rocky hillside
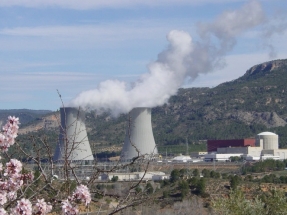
column 253, row 103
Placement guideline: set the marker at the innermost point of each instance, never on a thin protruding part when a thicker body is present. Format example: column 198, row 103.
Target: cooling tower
column 73, row 140
column 139, row 135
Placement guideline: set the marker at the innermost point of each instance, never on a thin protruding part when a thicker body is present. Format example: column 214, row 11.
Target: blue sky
column 72, row 46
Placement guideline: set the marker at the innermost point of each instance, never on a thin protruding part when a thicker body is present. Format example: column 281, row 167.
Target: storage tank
column 267, row 140
column 139, row 138
column 73, row 140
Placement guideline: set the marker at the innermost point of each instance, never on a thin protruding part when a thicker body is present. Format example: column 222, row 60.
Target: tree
column 234, row 181
column 115, row 178
column 206, row 173
column 237, row 204
column 183, row 187
column 149, row 188
column 183, row 172
column 196, row 173
column 274, row 203
column 165, row 194
column 201, row 186
column 174, row 175
column 138, row 189
column 23, row 194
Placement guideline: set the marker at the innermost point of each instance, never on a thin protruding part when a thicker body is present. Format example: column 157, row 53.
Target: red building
column 212, row 145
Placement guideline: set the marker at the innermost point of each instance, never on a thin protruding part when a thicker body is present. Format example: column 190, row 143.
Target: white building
column 154, row 176
column 266, row 147
column 181, row 159
column 220, row 157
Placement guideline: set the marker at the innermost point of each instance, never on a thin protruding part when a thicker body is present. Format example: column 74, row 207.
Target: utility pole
column 186, row 141
column 166, row 153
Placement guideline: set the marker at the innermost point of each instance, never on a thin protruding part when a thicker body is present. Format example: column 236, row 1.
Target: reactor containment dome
column 73, row 142
column 139, row 140
column 267, row 140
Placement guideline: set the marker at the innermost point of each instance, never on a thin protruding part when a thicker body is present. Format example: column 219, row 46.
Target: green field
column 181, row 149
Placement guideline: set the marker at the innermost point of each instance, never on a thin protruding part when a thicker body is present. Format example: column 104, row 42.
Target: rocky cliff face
column 266, row 67
column 269, row 119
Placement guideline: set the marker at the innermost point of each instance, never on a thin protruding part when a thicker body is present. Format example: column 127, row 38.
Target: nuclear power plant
column 264, row 146
column 73, row 142
column 139, row 140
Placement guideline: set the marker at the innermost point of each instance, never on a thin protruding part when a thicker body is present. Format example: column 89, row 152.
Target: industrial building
column 73, row 142
column 265, row 146
column 181, row 159
column 220, row 157
column 197, row 154
column 213, row 145
column 139, row 140
column 132, row 176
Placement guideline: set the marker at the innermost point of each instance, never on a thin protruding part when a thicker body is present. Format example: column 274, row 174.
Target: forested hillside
column 26, row 115
column 251, row 104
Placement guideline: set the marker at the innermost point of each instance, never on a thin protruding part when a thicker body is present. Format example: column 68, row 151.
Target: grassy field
column 180, row 149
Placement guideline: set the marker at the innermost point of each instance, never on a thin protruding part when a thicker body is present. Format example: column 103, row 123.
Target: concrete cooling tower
column 139, row 135
column 73, row 140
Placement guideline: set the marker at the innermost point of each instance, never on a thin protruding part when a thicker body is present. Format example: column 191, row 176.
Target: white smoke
column 183, row 59
column 230, row 24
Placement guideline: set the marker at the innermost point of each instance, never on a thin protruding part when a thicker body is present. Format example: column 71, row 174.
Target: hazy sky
column 72, row 46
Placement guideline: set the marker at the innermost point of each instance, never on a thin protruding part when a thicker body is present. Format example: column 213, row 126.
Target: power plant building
column 214, row 145
column 264, row 146
column 73, row 142
column 139, row 140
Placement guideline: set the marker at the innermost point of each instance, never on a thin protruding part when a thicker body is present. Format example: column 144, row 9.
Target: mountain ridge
column 241, row 108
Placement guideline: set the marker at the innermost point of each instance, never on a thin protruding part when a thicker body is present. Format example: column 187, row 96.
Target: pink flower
column 3, row 198
column 3, row 186
column 82, row 194
column 14, row 183
column 68, row 209
column 23, row 207
column 11, row 195
column 2, row 211
column 4, row 145
column 13, row 167
column 10, row 130
column 27, row 177
column 41, row 207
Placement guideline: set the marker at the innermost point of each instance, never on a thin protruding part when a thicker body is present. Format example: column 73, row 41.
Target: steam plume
column 183, row 59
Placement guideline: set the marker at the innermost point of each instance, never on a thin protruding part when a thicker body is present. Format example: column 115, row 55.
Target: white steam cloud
column 183, row 59
column 227, row 26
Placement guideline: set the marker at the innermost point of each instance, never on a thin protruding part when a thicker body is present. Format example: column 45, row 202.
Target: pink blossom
column 82, row 194
column 23, row 207
column 2, row 211
column 4, row 145
column 13, row 167
column 12, row 125
column 2, row 138
column 41, row 207
column 14, row 183
column 68, row 209
column 10, row 130
column 27, row 177
column 3, row 198
column 11, row 195
column 3, row 186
